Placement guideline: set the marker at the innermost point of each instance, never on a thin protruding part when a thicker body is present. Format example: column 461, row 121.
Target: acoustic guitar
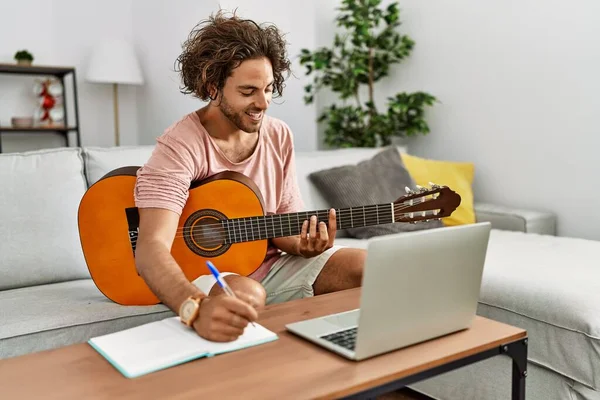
column 223, row 220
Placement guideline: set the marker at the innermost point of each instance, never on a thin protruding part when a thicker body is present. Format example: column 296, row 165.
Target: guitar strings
column 239, row 231
column 367, row 213
column 232, row 237
column 370, row 215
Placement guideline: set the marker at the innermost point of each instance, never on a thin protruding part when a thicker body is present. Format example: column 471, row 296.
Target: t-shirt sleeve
column 164, row 181
column 291, row 199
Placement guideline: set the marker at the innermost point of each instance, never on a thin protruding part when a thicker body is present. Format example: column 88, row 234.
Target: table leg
column 518, row 352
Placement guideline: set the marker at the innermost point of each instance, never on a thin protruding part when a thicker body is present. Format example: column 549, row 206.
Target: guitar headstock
column 425, row 204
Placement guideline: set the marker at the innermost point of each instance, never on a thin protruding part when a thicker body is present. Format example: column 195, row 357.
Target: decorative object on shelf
column 21, row 122
column 24, row 57
column 50, row 111
column 114, row 61
column 363, row 56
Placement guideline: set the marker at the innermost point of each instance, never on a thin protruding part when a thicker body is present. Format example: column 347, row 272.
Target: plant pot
column 26, row 63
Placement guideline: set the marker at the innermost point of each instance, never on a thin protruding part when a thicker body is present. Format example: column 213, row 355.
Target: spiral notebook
column 163, row 344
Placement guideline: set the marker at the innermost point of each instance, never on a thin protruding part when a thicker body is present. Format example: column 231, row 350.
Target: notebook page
column 251, row 336
column 149, row 347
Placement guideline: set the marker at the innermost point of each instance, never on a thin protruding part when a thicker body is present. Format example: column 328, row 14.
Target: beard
column 239, row 118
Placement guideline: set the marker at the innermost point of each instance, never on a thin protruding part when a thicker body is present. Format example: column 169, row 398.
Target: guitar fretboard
column 279, row 225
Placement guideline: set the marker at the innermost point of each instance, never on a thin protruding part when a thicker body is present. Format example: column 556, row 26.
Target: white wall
column 160, row 30
column 62, row 32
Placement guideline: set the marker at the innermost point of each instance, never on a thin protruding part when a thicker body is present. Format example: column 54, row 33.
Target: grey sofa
column 533, row 279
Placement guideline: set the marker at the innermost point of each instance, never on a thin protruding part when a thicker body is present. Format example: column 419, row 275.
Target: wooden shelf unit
column 57, row 72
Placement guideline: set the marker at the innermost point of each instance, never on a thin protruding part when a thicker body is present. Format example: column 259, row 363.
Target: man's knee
column 343, row 270
column 242, row 284
column 356, row 264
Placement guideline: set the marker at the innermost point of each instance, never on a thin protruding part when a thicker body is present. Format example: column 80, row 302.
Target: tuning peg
column 421, row 188
column 408, row 190
column 434, row 185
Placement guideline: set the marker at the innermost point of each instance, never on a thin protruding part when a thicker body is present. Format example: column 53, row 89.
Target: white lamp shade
column 114, row 61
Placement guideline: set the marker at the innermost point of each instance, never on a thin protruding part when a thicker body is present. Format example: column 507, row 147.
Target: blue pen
column 222, row 281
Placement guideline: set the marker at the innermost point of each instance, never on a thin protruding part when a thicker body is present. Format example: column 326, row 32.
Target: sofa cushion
column 39, row 197
column 49, row 316
column 549, row 286
column 101, row 160
column 312, row 161
column 378, row 180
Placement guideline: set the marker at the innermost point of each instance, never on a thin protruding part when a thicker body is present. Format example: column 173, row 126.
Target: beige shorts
column 291, row 277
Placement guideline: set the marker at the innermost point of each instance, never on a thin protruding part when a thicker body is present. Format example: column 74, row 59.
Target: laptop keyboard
column 345, row 338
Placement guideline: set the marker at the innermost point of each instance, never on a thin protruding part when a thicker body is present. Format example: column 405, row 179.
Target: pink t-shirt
column 185, row 152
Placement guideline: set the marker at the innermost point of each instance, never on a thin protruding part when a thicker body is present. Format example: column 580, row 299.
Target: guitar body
column 108, row 220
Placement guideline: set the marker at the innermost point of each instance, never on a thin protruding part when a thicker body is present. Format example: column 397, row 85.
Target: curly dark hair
column 219, row 44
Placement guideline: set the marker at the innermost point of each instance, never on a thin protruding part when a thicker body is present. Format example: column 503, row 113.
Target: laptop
column 416, row 286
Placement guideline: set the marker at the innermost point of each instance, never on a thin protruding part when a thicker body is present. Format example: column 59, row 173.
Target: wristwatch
column 190, row 309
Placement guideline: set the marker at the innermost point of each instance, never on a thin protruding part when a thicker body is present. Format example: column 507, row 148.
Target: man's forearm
column 288, row 244
column 161, row 273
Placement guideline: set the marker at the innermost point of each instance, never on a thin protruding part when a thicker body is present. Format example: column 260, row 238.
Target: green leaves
column 346, row 127
column 363, row 55
column 406, row 114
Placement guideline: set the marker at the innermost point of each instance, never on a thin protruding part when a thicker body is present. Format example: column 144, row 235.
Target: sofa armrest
column 514, row 219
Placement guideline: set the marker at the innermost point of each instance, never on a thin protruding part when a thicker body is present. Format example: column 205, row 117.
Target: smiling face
column 247, row 94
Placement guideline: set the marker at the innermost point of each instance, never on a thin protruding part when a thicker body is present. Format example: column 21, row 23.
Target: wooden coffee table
column 286, row 368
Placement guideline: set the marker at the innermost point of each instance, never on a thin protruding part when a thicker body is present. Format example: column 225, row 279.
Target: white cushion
column 101, row 160
column 548, row 285
column 39, row 197
column 309, row 162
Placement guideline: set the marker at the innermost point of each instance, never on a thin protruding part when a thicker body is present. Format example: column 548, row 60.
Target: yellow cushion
column 458, row 176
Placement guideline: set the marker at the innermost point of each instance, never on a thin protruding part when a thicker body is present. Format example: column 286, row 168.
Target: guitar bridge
column 133, row 235
column 133, row 223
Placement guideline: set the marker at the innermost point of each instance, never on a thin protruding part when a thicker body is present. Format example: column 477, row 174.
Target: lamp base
column 116, row 111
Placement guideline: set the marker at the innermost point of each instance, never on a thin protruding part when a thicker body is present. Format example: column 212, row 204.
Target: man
column 237, row 66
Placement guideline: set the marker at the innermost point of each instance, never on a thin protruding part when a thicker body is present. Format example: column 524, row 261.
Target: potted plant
column 362, row 56
column 23, row 57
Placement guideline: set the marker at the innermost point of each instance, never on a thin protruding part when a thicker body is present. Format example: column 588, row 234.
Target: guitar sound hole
column 208, row 233
column 204, row 233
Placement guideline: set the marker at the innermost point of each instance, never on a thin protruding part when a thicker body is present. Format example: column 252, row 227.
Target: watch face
column 187, row 309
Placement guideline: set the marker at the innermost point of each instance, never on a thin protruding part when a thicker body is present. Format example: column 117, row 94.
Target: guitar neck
column 279, row 225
